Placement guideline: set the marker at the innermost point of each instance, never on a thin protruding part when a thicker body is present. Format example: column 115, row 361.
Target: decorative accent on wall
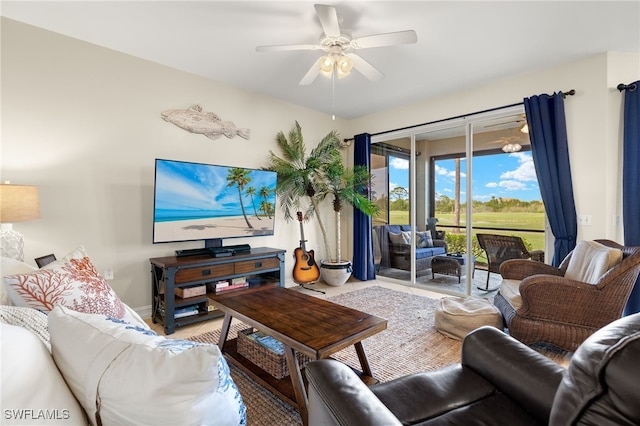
column 194, row 120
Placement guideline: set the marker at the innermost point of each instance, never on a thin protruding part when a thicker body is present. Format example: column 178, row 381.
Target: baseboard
column 144, row 311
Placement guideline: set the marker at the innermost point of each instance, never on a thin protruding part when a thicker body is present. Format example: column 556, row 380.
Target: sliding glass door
column 453, row 178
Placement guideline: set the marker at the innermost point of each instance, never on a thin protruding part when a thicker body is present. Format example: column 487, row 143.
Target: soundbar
column 193, row 252
column 215, row 251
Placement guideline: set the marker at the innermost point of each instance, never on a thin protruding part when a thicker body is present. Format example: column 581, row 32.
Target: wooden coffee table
column 303, row 323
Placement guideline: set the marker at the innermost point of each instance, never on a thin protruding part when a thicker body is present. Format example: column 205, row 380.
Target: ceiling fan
column 520, row 121
column 339, row 48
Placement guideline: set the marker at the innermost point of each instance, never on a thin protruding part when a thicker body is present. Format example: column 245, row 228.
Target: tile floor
column 353, row 284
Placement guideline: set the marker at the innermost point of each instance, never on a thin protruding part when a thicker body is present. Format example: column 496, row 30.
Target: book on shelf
column 217, row 285
column 239, row 280
column 232, row 287
column 185, row 312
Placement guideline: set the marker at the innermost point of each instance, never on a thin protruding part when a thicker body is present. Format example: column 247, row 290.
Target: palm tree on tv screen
column 251, row 191
column 265, row 206
column 240, row 177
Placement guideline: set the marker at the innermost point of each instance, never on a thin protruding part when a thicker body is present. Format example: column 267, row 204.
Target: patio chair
column 499, row 248
column 565, row 305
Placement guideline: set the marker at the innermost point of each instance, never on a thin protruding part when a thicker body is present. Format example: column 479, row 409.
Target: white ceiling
column 460, row 44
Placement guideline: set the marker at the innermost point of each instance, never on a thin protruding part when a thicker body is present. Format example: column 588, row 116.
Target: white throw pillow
column 397, row 238
column 406, row 236
column 125, row 374
column 72, row 282
column 590, row 260
column 33, row 390
column 11, row 267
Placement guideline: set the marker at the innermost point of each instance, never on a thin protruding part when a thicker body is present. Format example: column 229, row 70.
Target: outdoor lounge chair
column 499, row 248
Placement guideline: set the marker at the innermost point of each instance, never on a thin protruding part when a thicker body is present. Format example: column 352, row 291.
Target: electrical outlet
column 584, row 220
column 108, row 274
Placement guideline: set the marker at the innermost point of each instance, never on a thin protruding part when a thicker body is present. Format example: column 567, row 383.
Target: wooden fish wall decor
column 194, row 120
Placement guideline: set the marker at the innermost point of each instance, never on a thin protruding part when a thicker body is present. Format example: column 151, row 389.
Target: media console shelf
column 261, row 266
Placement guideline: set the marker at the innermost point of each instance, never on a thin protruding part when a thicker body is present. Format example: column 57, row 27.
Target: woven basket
column 271, row 362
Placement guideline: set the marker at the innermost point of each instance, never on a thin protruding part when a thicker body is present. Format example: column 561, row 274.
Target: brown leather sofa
column 499, row 382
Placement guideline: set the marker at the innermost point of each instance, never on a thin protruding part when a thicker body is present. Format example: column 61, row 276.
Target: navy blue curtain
column 549, row 147
column 363, row 265
column 631, row 180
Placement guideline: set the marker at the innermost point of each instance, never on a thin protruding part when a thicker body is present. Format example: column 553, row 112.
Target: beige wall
column 83, row 123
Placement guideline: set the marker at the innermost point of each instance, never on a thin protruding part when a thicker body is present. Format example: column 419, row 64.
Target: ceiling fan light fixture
column 326, row 65
column 512, row 147
column 344, row 65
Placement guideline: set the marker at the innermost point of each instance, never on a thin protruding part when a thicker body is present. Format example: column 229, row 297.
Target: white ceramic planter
column 335, row 273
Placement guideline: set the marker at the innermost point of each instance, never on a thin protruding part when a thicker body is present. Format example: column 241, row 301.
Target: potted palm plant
column 311, row 178
column 347, row 186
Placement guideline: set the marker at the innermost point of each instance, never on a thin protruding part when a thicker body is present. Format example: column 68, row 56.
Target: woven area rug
column 409, row 344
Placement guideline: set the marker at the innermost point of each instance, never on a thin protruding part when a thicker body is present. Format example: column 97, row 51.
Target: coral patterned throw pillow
column 72, row 282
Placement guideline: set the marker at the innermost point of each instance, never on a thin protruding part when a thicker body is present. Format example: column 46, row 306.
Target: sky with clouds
column 503, row 175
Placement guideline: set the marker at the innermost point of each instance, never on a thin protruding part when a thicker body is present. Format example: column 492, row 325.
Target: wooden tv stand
column 261, row 266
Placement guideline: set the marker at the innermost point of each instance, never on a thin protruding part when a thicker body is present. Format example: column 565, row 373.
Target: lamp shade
column 18, row 203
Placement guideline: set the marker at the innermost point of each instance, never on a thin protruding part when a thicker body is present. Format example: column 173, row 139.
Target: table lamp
column 18, row 203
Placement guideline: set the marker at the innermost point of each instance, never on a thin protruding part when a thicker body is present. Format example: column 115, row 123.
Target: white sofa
column 70, row 367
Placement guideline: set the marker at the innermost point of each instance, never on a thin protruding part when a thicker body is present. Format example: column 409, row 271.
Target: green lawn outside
column 514, row 220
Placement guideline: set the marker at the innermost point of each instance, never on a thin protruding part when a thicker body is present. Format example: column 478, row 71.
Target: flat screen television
column 195, row 201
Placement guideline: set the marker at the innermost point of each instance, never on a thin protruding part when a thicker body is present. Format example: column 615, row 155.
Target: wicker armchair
column 561, row 311
column 499, row 248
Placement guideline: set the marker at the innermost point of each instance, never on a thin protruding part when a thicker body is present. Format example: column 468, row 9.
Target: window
column 506, row 196
column 390, row 170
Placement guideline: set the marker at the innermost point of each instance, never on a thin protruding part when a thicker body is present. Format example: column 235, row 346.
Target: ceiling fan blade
column 365, row 67
column 285, row 47
column 386, row 39
column 311, row 74
column 328, row 19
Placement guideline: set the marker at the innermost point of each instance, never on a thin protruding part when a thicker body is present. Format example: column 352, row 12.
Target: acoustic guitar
column 306, row 270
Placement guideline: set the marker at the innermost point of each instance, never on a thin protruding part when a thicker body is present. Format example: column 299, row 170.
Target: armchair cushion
column 510, row 290
column 590, row 260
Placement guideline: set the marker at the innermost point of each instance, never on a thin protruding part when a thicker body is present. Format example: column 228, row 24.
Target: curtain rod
column 621, row 87
column 564, row 95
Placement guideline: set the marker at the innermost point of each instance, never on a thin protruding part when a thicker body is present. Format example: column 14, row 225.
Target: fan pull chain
column 333, row 95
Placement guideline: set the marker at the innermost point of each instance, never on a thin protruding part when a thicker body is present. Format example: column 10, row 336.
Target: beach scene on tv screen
column 202, row 201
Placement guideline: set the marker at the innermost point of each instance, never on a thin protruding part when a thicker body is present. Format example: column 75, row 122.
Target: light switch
column 584, row 220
